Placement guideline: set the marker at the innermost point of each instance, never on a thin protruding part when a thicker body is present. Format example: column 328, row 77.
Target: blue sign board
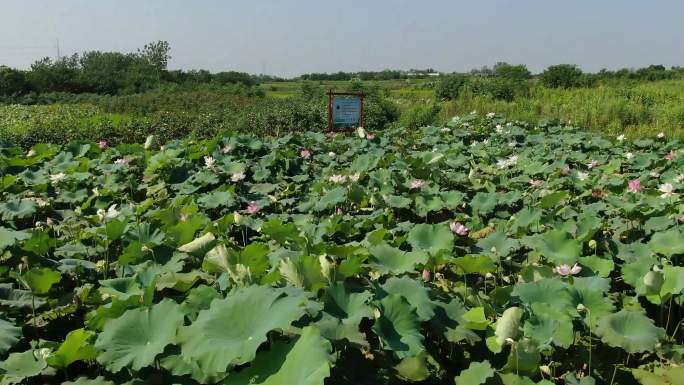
column 346, row 111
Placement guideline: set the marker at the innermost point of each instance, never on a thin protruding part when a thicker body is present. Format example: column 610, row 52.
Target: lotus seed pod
column 592, row 244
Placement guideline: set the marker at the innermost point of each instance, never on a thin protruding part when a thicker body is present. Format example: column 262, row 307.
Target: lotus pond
column 484, row 252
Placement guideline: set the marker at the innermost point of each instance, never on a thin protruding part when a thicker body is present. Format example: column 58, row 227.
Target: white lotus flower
column 499, row 129
column 629, row 155
column 121, row 162
column 592, row 164
column 337, row 178
column 56, row 178
column 354, row 177
column 661, row 135
column 491, row 115
column 31, row 153
column 621, row 137
column 666, row 189
column 508, row 162
column 331, row 154
column 110, row 213
column 227, row 149
column 582, row 175
column 209, row 162
column 238, row 176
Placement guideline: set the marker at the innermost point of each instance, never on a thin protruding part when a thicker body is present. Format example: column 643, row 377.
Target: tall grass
column 637, row 109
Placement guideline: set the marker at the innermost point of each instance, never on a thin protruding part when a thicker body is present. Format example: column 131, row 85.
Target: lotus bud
column 426, row 275
column 237, row 217
column 581, row 308
column 376, row 313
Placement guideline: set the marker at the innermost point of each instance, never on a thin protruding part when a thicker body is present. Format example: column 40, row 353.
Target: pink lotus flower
column 339, row 211
column 103, row 144
column 370, row 136
column 121, row 162
column 417, row 183
column 566, row 270
column 459, row 229
column 426, row 275
column 305, row 153
column 252, row 208
column 49, row 221
column 670, row 156
column 634, row 185
column 536, row 182
column 680, row 218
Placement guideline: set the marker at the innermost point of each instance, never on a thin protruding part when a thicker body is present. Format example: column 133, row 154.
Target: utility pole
column 58, row 53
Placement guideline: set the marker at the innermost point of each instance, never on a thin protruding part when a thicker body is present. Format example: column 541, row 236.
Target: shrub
column 450, row 87
column 562, row 76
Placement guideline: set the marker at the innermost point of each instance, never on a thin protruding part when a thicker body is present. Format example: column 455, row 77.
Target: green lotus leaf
column 122, row 288
column 18, row 209
column 553, row 199
column 340, row 303
column 476, row 374
column 524, row 358
column 633, row 251
column 8, row 237
column 601, row 266
column 659, row 375
column 87, row 381
column 475, row 264
column 199, row 299
column 398, row 327
column 19, row 366
column 629, row 330
column 587, row 225
column 557, row 246
column 590, row 293
column 475, row 319
column 668, row 243
column 414, row 369
column 199, row 246
column 76, row 347
column 9, row 335
column 304, row 361
column 484, row 203
column 387, row 259
column 551, row 291
column 497, row 245
column 414, row 292
column 304, row 272
column 233, row 328
column 216, row 199
column 40, row 280
column 549, row 325
column 673, row 280
column 138, row 336
column 431, row 238
column 16, row 298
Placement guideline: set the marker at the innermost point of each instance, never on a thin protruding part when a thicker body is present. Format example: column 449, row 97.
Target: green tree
column 450, row 87
column 12, row 82
column 562, row 76
column 510, row 71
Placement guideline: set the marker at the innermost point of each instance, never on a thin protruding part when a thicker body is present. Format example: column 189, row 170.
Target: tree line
column 111, row 73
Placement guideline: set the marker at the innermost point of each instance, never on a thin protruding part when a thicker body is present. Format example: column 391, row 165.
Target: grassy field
column 637, row 109
column 634, row 108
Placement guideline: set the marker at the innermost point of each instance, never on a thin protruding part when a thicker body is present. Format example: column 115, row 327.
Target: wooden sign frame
column 332, row 94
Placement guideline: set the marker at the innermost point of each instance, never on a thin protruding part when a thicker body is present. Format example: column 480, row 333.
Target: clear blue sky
column 290, row 37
